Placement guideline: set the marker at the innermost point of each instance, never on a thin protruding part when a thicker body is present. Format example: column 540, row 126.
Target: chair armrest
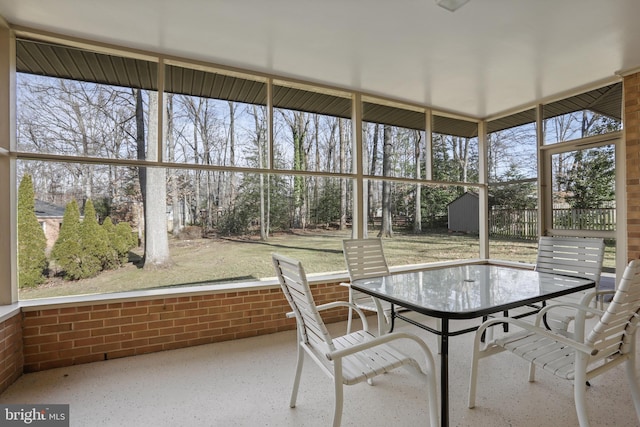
column 336, row 304
column 578, row 307
column 345, row 284
column 589, row 297
column 587, row 349
column 581, row 312
column 384, row 339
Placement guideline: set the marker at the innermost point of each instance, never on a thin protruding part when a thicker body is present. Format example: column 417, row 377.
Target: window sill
column 267, row 283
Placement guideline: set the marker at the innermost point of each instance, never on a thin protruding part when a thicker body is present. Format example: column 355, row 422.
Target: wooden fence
column 523, row 223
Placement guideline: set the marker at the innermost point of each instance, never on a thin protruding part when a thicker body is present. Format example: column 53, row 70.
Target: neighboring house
column 50, row 219
column 463, row 214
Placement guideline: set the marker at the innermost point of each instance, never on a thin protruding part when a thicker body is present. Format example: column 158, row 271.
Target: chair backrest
column 572, row 256
column 616, row 329
column 365, row 258
column 293, row 281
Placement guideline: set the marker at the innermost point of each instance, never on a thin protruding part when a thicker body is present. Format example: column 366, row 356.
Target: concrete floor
column 248, row 383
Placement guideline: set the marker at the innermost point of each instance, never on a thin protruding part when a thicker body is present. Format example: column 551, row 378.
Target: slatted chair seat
column 352, row 358
column 611, row 342
column 369, row 363
column 552, row 356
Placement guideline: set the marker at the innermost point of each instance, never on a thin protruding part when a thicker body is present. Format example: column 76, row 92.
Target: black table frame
column 446, row 316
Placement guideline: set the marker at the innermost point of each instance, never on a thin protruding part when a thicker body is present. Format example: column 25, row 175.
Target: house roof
column 48, row 210
column 466, row 195
column 487, row 59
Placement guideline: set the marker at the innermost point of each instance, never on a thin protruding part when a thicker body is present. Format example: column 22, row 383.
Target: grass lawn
column 211, row 261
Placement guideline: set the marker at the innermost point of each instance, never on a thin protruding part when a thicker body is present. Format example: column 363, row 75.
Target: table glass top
column 469, row 290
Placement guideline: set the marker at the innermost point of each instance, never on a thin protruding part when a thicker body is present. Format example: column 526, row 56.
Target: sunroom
column 262, row 155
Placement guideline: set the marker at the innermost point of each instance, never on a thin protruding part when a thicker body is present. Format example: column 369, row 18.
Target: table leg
column 393, row 318
column 444, row 375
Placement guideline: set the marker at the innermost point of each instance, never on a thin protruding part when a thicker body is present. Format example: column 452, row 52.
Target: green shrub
column 67, row 249
column 83, row 249
column 32, row 243
column 113, row 259
column 129, row 239
column 94, row 242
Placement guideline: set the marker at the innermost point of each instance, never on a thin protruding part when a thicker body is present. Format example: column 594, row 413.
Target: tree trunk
column 232, row 154
column 142, row 171
column 343, row 181
column 264, row 213
column 316, row 180
column 386, row 228
column 417, row 215
column 156, row 242
column 173, row 177
column 372, row 169
column 298, row 124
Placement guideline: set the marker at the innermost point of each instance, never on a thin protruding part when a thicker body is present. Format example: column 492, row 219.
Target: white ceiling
column 488, row 57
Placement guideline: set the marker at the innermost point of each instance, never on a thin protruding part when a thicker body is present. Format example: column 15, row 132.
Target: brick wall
column 57, row 337
column 11, row 356
column 632, row 138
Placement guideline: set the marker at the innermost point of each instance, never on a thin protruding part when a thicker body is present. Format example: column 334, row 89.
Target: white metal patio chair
column 611, row 342
column 350, row 359
column 572, row 256
column 365, row 258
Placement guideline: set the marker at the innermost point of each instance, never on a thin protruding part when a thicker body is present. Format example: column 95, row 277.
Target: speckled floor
column 248, row 382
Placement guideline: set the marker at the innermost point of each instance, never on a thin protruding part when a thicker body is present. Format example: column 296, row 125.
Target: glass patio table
column 465, row 292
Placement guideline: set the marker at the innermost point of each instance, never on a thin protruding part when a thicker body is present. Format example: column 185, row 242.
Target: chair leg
column 488, row 336
column 432, row 398
column 532, row 372
column 296, row 381
column 633, row 383
column 337, row 378
column 384, row 323
column 580, row 389
column 474, row 376
column 349, row 317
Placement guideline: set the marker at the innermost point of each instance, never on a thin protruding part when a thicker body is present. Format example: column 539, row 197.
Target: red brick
column 105, row 331
column 120, row 353
column 88, row 341
column 134, row 327
column 145, row 334
column 104, row 314
column 133, row 311
column 105, row 348
column 90, row 324
column 55, row 328
column 117, row 338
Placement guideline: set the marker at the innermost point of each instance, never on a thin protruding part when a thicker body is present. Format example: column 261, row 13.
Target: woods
column 231, row 168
